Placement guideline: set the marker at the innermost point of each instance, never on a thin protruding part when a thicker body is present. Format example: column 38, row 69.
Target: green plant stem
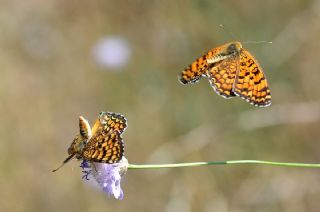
column 230, row 162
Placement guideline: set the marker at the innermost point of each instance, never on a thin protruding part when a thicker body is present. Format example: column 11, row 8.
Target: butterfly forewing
column 251, row 83
column 222, row 76
column 113, row 122
column 195, row 71
column 198, row 68
column 106, row 147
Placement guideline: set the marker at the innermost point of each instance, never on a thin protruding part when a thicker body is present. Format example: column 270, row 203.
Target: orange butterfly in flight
column 232, row 71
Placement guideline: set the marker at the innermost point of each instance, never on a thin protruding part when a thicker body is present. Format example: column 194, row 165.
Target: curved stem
column 259, row 162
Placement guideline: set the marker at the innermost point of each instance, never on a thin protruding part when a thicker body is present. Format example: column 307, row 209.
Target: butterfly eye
column 232, row 49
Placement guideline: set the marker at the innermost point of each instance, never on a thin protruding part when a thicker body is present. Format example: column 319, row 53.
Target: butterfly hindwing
column 84, row 127
column 251, row 83
column 106, row 143
column 222, row 76
column 105, row 147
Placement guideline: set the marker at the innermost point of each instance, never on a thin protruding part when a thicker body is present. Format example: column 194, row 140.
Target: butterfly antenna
column 227, row 31
column 234, row 37
column 64, row 162
column 255, row 42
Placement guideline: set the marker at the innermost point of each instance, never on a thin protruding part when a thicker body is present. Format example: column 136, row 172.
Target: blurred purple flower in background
column 112, row 53
column 108, row 176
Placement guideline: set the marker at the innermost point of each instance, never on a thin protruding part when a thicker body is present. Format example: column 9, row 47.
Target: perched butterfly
column 103, row 143
column 232, row 71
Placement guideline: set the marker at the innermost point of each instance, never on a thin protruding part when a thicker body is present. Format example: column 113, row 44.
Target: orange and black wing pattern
column 251, row 83
column 113, row 122
column 222, row 76
column 195, row 71
column 106, row 144
column 198, row 68
column 105, row 147
column 231, row 71
column 109, row 122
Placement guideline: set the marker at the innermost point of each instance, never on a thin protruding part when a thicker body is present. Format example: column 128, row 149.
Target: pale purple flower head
column 108, row 176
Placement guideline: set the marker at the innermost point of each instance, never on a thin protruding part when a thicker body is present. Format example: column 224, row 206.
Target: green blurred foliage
column 49, row 78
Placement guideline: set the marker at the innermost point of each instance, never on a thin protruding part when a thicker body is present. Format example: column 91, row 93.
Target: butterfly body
column 232, row 71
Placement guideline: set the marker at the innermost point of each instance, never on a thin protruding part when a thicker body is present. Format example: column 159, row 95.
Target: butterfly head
column 81, row 139
column 233, row 48
column 79, row 142
column 77, row 145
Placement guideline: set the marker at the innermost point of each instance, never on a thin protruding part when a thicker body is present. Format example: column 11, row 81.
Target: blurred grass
column 49, row 78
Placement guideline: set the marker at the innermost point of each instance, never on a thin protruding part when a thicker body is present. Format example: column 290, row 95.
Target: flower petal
column 108, row 176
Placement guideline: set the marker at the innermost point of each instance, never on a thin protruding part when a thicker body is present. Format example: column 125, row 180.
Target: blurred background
column 61, row 59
